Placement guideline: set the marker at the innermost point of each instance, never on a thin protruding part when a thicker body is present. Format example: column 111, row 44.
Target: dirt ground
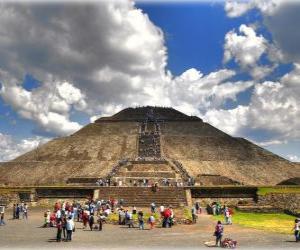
column 30, row 234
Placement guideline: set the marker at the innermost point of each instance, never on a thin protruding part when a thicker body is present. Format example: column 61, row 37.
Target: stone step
column 143, row 174
column 144, row 196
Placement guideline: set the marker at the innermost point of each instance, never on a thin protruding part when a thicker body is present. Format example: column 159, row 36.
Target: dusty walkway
column 28, row 234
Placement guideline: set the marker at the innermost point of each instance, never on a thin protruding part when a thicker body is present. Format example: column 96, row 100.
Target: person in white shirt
column 161, row 209
column 58, row 214
column 70, row 227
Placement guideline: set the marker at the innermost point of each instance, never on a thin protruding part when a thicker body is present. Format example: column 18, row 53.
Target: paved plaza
column 30, row 234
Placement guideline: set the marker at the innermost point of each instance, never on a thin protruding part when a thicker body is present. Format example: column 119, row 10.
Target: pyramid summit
column 149, row 113
column 148, row 143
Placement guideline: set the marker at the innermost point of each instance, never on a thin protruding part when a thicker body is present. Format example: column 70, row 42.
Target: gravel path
column 29, row 234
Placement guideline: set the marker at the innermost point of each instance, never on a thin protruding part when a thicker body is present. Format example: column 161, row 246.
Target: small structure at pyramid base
column 140, row 148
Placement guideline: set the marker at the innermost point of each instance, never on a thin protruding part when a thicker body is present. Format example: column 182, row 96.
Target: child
column 141, row 220
column 151, row 221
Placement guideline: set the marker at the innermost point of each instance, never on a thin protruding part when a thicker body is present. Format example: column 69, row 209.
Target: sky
column 235, row 64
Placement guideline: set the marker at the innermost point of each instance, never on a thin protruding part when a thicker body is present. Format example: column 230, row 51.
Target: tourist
column 85, row 218
column 21, row 209
column 171, row 220
column 14, row 211
column 64, row 226
column 153, row 207
column 121, row 216
column 218, row 208
column 25, row 211
column 230, row 210
column 59, row 229
column 100, row 221
column 166, row 218
column 161, row 210
column 52, row 219
column 219, row 233
column 91, row 222
column 70, row 227
column 228, row 215
column 194, row 214
column 75, row 212
column 297, row 230
column 134, row 210
column 129, row 219
column 198, row 208
column 2, row 222
column 141, row 220
column 151, row 221
column 17, row 211
column 58, row 214
column 214, row 208
column 47, row 218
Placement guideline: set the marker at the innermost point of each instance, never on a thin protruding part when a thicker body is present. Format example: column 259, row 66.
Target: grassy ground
column 280, row 190
column 180, row 214
column 114, row 217
column 281, row 223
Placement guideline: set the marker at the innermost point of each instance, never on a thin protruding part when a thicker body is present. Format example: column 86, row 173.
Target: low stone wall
column 8, row 199
column 259, row 209
column 232, row 202
column 289, row 201
column 224, row 192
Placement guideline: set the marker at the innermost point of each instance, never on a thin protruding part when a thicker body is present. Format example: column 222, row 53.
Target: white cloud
column 246, row 49
column 10, row 148
column 118, row 59
column 229, row 121
column 274, row 108
column 236, row 8
column 280, row 17
column 49, row 105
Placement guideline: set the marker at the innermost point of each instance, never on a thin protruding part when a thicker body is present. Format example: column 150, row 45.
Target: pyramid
column 152, row 143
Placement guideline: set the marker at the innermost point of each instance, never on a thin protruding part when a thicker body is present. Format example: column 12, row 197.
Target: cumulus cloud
column 246, row 48
column 118, row 59
column 48, row 105
column 236, row 8
column 280, row 17
column 204, row 92
column 274, row 108
column 10, row 148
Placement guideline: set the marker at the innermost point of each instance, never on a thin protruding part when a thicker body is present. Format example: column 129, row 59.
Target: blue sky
column 53, row 92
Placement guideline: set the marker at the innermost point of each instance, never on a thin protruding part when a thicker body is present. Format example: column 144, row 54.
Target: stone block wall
column 289, row 201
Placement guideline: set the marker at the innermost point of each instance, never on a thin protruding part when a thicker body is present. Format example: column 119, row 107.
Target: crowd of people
column 216, row 208
column 93, row 214
column 20, row 211
column 149, row 145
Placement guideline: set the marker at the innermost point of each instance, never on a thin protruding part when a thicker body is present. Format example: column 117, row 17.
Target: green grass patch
column 278, row 190
column 281, row 223
column 187, row 214
column 114, row 217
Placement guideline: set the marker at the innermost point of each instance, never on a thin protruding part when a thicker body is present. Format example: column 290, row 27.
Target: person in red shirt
column 166, row 220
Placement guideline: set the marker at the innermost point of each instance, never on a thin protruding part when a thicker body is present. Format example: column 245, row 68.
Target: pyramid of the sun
column 154, row 143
